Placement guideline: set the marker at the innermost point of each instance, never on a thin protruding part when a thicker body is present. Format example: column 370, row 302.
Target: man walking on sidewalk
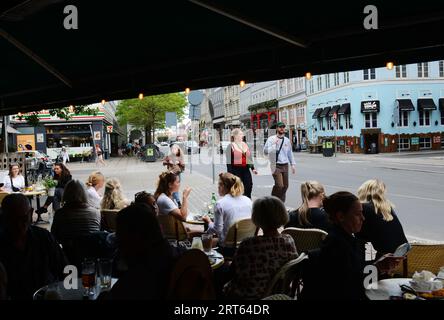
column 278, row 148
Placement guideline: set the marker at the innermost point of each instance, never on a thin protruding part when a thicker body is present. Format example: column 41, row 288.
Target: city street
column 414, row 183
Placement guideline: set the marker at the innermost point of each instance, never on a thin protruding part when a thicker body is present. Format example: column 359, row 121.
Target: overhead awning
column 426, row 104
column 325, row 112
column 345, row 109
column 10, row 129
column 441, row 104
column 317, row 113
column 405, row 105
column 370, row 106
column 333, row 110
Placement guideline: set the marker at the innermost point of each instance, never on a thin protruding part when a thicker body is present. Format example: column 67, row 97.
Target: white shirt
column 166, row 204
column 228, row 211
column 286, row 154
column 94, row 199
column 19, row 182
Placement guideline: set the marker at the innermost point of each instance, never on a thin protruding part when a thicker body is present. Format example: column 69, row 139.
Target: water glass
column 207, row 241
column 197, row 243
column 89, row 277
column 105, row 267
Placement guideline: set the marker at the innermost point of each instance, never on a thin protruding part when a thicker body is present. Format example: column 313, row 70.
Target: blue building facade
column 378, row 110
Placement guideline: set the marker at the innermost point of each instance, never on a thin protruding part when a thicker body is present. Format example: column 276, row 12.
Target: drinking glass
column 89, row 277
column 197, row 243
column 207, row 242
column 105, row 273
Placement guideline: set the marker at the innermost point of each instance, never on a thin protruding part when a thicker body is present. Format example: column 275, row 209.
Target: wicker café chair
column 239, row 231
column 421, row 257
column 172, row 227
column 288, row 280
column 306, row 239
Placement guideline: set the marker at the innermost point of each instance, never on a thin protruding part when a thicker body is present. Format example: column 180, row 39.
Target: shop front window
column 425, row 143
column 404, row 144
column 68, row 136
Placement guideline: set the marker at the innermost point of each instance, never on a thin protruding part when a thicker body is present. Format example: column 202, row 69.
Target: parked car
column 36, row 160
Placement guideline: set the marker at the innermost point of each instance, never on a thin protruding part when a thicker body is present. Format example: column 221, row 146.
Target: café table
column 37, row 194
column 61, row 293
column 384, row 289
column 195, row 219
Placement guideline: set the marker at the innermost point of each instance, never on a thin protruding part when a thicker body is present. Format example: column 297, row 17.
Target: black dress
column 385, row 236
column 317, row 217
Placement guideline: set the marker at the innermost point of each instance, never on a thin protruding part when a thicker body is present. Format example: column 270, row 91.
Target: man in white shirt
column 278, row 148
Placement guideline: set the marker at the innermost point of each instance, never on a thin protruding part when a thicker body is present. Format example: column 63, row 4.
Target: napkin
column 424, row 281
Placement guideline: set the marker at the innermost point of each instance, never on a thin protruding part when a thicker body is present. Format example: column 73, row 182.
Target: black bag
column 14, row 189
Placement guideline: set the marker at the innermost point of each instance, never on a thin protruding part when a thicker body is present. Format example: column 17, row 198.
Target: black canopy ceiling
column 123, row 48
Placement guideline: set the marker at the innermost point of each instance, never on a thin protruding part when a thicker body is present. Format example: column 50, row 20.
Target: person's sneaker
column 41, row 210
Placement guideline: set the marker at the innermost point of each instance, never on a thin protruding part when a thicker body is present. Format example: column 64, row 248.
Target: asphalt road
column 414, row 184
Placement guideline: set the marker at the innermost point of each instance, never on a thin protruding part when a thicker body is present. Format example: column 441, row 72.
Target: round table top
column 383, row 289
column 195, row 219
column 33, row 193
column 67, row 294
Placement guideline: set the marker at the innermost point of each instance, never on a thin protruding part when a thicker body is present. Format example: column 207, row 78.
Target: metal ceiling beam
column 35, row 57
column 251, row 23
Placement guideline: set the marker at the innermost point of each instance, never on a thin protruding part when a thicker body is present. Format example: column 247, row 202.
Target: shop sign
column 414, row 141
column 109, row 129
column 437, row 139
column 370, row 106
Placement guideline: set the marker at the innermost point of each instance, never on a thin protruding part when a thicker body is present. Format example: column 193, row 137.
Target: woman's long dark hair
column 65, row 171
column 163, row 185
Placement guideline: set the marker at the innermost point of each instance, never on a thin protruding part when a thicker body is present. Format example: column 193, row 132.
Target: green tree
column 149, row 113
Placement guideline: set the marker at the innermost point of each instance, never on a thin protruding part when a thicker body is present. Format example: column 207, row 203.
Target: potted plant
column 50, row 185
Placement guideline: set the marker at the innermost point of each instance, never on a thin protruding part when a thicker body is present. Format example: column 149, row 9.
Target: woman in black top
column 310, row 214
column 63, row 176
column 381, row 227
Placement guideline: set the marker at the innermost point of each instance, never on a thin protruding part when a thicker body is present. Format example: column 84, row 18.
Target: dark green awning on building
column 333, row 110
column 405, row 105
column 345, row 109
column 317, row 113
column 426, row 104
column 325, row 112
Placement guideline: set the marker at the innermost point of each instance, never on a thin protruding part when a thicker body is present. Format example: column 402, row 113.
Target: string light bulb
column 389, row 65
column 103, row 102
column 187, row 91
column 308, row 75
column 242, row 83
column 140, row 96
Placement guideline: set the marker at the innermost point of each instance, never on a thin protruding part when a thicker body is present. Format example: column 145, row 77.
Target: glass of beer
column 207, row 242
column 197, row 243
column 105, row 273
column 89, row 277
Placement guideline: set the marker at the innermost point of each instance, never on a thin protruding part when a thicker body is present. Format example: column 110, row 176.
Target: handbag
column 14, row 189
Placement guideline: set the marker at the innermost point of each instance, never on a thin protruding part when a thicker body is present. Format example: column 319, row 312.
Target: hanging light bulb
column 103, row 102
column 140, row 96
column 187, row 91
column 308, row 75
column 389, row 65
column 242, row 83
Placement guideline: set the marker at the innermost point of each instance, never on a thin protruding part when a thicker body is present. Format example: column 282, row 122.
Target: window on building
column 327, row 81
column 425, row 143
column 371, row 120
column 320, row 123
column 404, row 144
column 311, row 86
column 424, row 118
column 404, row 118
column 319, row 83
column 290, row 86
column 401, row 71
column 369, row 74
column 336, row 79
column 423, row 70
column 347, row 121
column 441, row 69
column 442, row 117
column 346, row 77
column 329, row 123
column 283, row 87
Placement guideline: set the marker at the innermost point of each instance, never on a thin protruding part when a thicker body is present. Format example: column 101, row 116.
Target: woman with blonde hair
column 95, row 182
column 231, row 208
column 310, row 214
column 113, row 197
column 239, row 160
column 381, row 226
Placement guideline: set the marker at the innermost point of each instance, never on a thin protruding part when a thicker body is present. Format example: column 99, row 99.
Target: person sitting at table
column 233, row 206
column 113, row 197
column 310, row 214
column 147, row 255
column 148, row 199
column 340, row 261
column 31, row 256
column 258, row 258
column 169, row 183
column 63, row 176
column 381, row 226
column 76, row 218
column 14, row 181
column 95, row 182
